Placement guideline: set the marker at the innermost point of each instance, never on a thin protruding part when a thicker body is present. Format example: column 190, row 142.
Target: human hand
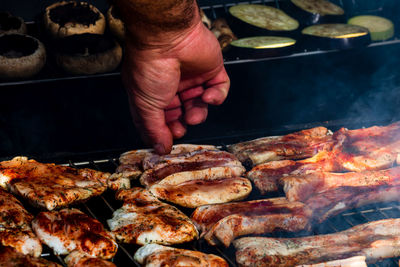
column 171, row 83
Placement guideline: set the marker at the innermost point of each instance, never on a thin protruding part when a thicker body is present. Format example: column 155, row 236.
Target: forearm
column 148, row 20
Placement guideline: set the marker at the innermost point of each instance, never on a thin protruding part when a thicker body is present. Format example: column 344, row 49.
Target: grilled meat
column 374, row 240
column 302, row 187
column 15, row 226
column 131, row 162
column 154, row 255
column 195, row 193
column 373, row 148
column 332, row 202
column 356, row 261
column 224, row 222
column 201, row 164
column 144, row 219
column 70, row 229
column 9, row 257
column 79, row 259
column 51, row 186
column 298, row 145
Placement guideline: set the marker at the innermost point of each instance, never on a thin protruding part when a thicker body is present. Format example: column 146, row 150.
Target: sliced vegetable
column 380, row 28
column 262, row 46
column 264, row 42
column 321, row 7
column 336, row 36
column 252, row 19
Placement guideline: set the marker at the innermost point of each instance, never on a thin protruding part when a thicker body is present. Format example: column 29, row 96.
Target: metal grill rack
column 50, row 73
column 102, row 207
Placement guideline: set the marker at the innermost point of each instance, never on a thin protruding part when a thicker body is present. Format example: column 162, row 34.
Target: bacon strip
column 222, row 223
column 298, row 145
column 374, row 148
column 301, row 187
column 374, row 240
column 183, row 165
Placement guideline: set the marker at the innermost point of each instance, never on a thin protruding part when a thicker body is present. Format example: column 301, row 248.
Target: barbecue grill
column 84, row 122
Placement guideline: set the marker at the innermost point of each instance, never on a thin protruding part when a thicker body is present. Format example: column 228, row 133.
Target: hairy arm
column 173, row 68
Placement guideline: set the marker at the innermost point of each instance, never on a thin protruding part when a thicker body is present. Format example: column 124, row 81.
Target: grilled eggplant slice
column 310, row 12
column 248, row 20
column 261, row 46
column 335, row 36
column 379, row 28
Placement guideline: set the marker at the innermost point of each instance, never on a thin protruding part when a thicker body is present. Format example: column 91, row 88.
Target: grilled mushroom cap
column 68, row 18
column 115, row 24
column 21, row 56
column 88, row 53
column 11, row 24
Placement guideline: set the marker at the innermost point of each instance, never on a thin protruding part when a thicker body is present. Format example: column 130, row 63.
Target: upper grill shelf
column 219, row 8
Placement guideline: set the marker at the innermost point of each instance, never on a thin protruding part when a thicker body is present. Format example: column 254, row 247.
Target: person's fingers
column 177, row 128
column 152, row 125
column 216, row 89
column 173, row 114
column 190, row 93
column 195, row 111
column 176, row 102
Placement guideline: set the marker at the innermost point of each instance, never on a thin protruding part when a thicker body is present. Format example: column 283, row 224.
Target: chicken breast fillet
column 133, row 163
column 70, row 229
column 154, row 255
column 79, row 259
column 144, row 219
column 195, row 193
column 9, row 257
column 51, row 186
column 15, row 226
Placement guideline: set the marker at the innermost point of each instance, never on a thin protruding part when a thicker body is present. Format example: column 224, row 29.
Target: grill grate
column 103, row 206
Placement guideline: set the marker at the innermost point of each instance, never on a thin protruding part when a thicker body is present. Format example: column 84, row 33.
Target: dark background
column 66, row 118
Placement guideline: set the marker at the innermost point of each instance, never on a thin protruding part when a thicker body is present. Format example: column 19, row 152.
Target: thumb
column 151, row 123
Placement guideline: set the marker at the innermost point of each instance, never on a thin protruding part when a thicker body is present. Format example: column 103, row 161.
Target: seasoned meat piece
column 302, row 187
column 70, row 229
column 224, row 222
column 144, row 219
column 356, row 261
column 201, row 164
column 195, row 193
column 332, row 202
column 133, row 163
column 374, row 240
column 15, row 225
column 153, row 255
column 9, row 257
column 79, row 259
column 51, row 186
column 298, row 145
column 374, row 148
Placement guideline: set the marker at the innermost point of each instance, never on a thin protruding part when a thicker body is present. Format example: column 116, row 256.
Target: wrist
column 159, row 24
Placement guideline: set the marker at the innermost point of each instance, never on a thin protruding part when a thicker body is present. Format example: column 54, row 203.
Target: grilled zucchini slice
column 336, row 36
column 380, row 28
column 262, row 46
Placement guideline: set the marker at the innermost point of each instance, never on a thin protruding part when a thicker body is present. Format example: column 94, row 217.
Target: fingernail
column 159, row 148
